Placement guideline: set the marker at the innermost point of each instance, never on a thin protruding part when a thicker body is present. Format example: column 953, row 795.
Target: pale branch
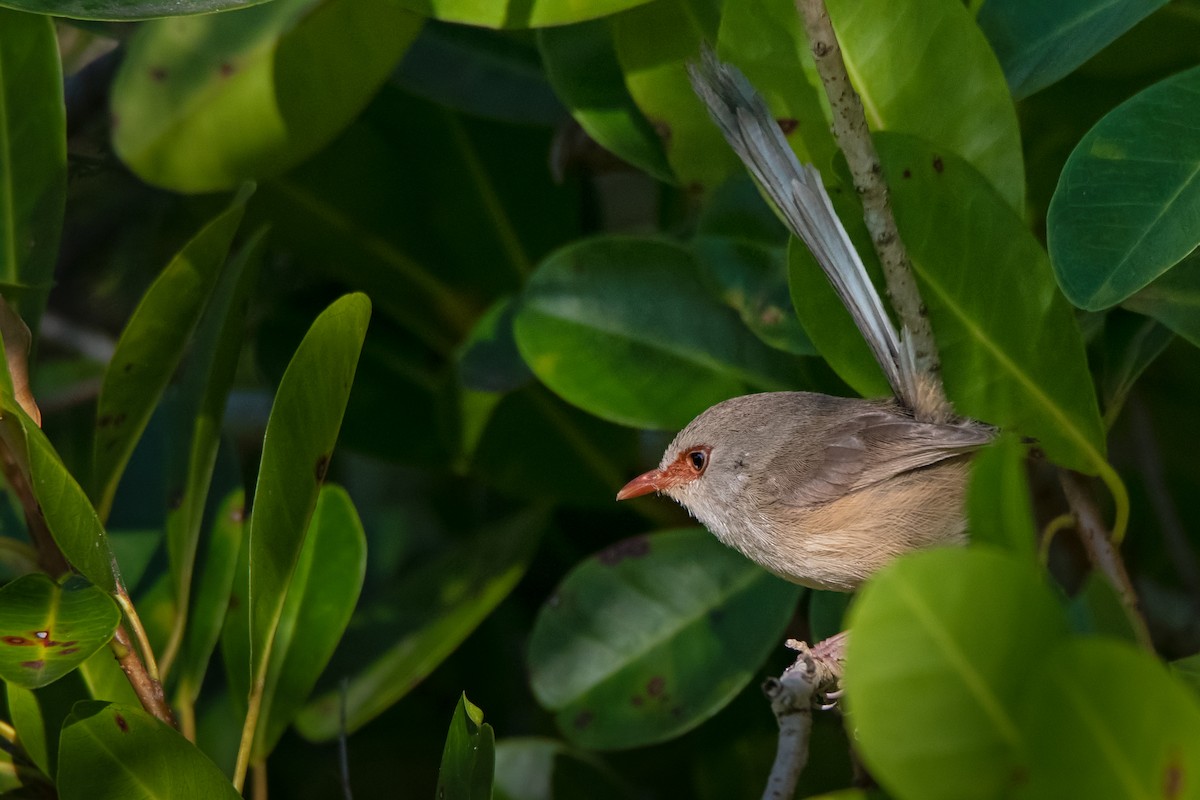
column 854, row 138
column 1089, row 525
column 791, row 697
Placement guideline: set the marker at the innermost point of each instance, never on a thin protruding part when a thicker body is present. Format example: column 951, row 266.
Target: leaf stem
column 139, row 632
column 253, row 707
column 148, row 690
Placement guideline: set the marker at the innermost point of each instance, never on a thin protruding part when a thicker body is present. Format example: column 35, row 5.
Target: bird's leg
column 827, row 657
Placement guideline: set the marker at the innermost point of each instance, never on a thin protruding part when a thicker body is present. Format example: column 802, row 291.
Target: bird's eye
column 699, row 459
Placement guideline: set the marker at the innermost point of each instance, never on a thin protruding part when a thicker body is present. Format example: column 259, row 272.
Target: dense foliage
column 498, row 254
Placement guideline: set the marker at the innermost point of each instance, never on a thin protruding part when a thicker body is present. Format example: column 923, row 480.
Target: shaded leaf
column 1131, row 344
column 38, row 714
column 47, row 630
column 125, row 9
column 203, row 103
column 151, row 347
column 652, row 636
column 110, row 751
column 999, row 507
column 1125, row 208
column 942, row 650
column 33, row 160
column 1089, row 736
column 399, row 638
column 1038, row 43
column 1174, row 299
column 518, row 13
column 545, row 769
column 624, row 329
column 469, row 758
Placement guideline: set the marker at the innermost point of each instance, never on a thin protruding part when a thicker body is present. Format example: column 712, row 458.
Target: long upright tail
column 798, row 192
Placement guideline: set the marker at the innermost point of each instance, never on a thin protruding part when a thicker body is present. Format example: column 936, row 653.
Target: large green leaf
column 944, row 56
column 943, row 647
column 33, row 160
column 125, row 9
column 998, row 503
column 1128, row 198
column 517, row 13
column 654, row 43
column 297, row 446
column 581, row 63
column 320, row 598
column 47, row 630
column 652, row 636
column 1090, row 737
column 110, row 751
column 469, row 758
column 398, row 639
column 545, row 769
column 1174, row 299
column 151, row 347
column 206, row 102
column 1037, row 43
column 625, row 329
column 992, row 301
column 37, row 715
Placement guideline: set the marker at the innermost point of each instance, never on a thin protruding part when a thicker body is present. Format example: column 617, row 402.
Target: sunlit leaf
column 469, row 758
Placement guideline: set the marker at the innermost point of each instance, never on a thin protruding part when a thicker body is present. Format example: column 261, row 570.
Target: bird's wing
column 873, row 447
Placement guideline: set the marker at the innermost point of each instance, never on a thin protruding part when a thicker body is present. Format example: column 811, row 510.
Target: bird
column 822, row 491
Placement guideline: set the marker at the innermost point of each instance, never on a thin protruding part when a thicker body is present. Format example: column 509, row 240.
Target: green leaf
column 544, row 769
column 124, row 10
column 992, row 302
column 47, row 630
column 400, row 637
column 320, row 598
column 1125, row 208
column 210, row 594
column 1097, row 609
column 581, row 63
column 151, row 347
column 943, row 647
column 1037, row 43
column 469, row 758
column 946, row 57
column 1090, row 736
column 518, row 13
column 37, row 715
column 33, row 161
column 999, row 507
column 624, row 329
column 110, row 751
column 203, row 103
column 297, row 446
column 1187, row 670
column 1131, row 344
column 1174, row 299
column 652, row 636
column 654, row 43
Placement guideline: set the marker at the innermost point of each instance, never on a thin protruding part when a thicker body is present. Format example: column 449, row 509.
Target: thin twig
column 139, row 632
column 854, row 138
column 1101, row 551
column 148, row 690
column 343, row 749
column 791, row 696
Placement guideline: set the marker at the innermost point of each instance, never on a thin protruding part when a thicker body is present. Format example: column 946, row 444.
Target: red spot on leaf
column 907, row 173
column 66, row 651
column 787, row 125
column 227, row 69
column 19, row 641
column 33, row 664
column 122, row 724
column 1173, row 778
column 656, row 685
column 938, row 166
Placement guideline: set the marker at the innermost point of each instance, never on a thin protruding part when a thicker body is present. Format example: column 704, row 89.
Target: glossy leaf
column 398, row 639
column 33, row 160
column 947, row 58
column 1038, row 43
column 47, row 630
column 624, row 329
column 110, row 751
column 999, row 507
column 1126, row 204
column 943, row 648
column 151, row 347
column 654, row 43
column 320, row 598
column 581, row 63
column 204, row 103
column 545, row 769
column 970, row 251
column 210, row 594
column 297, row 446
column 517, row 14
column 37, row 715
column 1131, row 344
column 469, row 758
column 1090, row 737
column 124, row 10
column 652, row 636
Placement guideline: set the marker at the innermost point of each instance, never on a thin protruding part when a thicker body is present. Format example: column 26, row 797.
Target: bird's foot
column 827, row 657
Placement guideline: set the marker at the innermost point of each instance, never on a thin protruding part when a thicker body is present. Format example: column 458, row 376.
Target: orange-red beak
column 645, row 483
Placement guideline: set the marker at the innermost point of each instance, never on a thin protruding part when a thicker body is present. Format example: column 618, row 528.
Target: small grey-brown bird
column 820, row 490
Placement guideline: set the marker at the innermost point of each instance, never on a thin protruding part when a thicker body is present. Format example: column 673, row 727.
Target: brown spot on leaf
column 66, row 651
column 19, row 641
column 656, row 685
column 128, row 367
column 238, row 514
column 1173, row 777
column 121, row 723
column 771, row 315
column 234, row 601
column 322, row 467
column 907, row 173
column 938, row 166
column 677, row 712
column 787, row 125
column 104, row 421
column 663, row 130
column 635, row 547
column 175, row 501
column 583, row 719
column 227, row 69
column 71, row 643
column 637, row 700
column 158, row 74
column 33, row 664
